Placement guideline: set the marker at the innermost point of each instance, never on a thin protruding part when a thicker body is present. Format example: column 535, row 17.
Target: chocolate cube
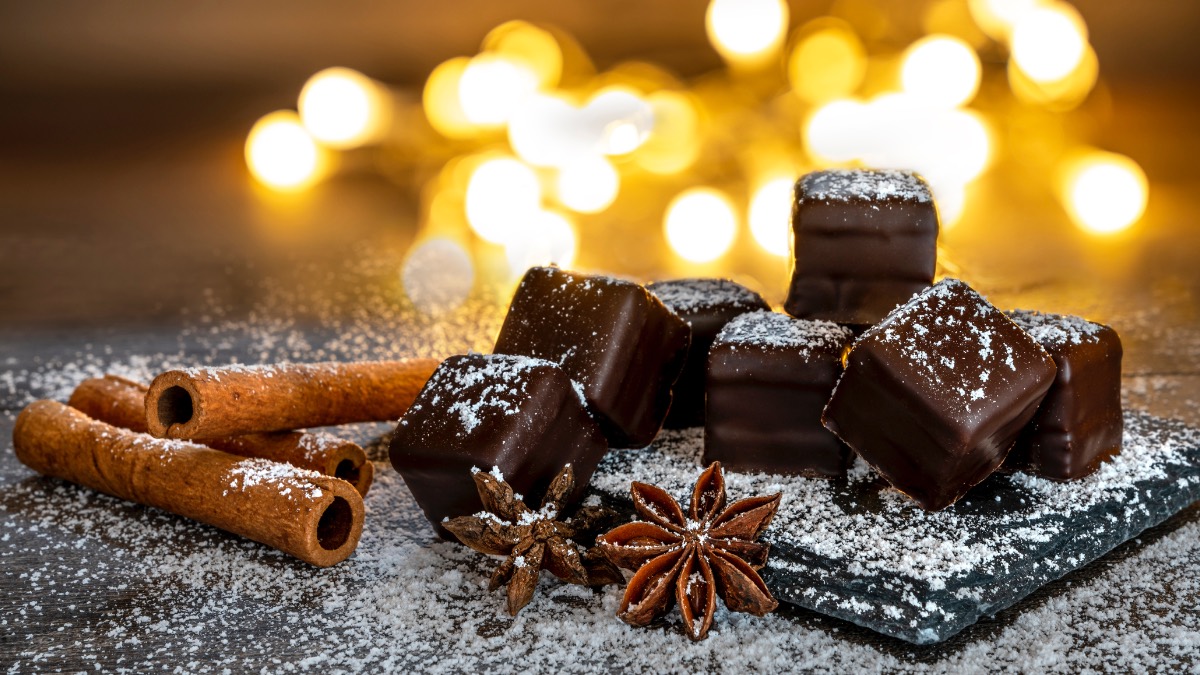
column 1079, row 423
column 521, row 415
column 769, row 376
column 613, row 337
column 934, row 395
column 863, row 242
column 706, row 305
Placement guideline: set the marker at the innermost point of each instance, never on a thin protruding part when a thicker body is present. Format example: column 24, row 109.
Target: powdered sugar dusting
column 1056, row 330
column 690, row 295
column 844, row 185
column 957, row 346
column 505, row 387
column 288, row 480
column 772, row 329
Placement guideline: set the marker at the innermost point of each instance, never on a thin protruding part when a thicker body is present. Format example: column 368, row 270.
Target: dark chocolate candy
column 863, row 242
column 706, row 305
column 1079, row 423
column 769, row 376
column 613, row 337
column 523, row 416
column 934, row 395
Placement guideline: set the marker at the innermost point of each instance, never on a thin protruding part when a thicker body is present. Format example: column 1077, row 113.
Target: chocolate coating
column 934, row 396
column 611, row 336
column 706, row 305
column 519, row 414
column 1079, row 424
column 769, row 376
column 863, row 242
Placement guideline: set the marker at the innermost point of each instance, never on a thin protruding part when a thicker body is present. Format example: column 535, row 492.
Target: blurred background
column 159, row 158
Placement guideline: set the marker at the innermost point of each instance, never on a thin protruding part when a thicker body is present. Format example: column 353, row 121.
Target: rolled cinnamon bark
column 122, row 403
column 313, row 517
column 214, row 402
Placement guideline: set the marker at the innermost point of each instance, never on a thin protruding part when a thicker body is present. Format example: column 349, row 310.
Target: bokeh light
column 828, row 61
column 700, row 224
column 1049, row 42
column 941, row 69
column 437, row 275
column 502, row 195
column 535, row 48
column 622, row 120
column 747, row 32
column 492, row 87
column 588, row 185
column 832, row 132
column 770, row 216
column 280, row 152
column 441, row 100
column 547, row 237
column 343, row 108
column 997, row 17
column 1104, row 192
column 674, row 142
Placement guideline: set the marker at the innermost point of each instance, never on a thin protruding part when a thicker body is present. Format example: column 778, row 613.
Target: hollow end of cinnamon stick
column 174, row 409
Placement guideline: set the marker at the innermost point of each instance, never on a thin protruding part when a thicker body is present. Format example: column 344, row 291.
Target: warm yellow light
column 950, row 201
column 547, row 130
column 502, row 194
column 281, row 154
column 942, row 70
column 1048, row 43
column 834, row 131
column 343, row 108
column 997, row 17
column 621, row 118
column 492, row 87
column 674, row 143
column 547, row 237
column 828, row 62
column 437, row 275
column 747, row 32
column 700, row 224
column 1060, row 95
column 770, row 216
column 588, row 184
column 1104, row 192
column 534, row 47
column 443, row 106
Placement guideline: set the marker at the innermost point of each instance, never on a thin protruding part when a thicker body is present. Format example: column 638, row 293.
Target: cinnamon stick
column 122, row 403
column 214, row 402
column 313, row 517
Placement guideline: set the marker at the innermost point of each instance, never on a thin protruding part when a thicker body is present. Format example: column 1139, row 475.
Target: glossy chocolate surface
column 613, row 337
column 769, row 376
column 934, row 395
column 706, row 305
column 863, row 242
column 521, row 415
column 1079, row 424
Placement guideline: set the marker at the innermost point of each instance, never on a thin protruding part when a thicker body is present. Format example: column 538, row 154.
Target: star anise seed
column 691, row 559
column 533, row 540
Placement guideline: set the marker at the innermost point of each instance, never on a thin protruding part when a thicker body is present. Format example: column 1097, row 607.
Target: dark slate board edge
column 1025, row 578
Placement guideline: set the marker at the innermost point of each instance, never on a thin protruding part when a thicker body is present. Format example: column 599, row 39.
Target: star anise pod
column 694, row 558
column 533, row 540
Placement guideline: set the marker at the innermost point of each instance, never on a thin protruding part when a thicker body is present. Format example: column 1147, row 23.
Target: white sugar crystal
column 771, row 329
column 864, row 184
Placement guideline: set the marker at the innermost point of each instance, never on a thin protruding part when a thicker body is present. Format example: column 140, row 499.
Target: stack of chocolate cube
column 938, row 390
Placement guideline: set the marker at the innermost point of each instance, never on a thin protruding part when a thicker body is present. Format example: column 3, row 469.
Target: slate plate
column 860, row 551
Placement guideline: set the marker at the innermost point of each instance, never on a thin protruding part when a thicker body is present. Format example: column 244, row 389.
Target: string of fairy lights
column 523, row 149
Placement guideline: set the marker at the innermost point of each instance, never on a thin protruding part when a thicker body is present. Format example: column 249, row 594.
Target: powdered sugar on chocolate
column 505, row 380
column 771, row 329
column 690, row 295
column 1056, row 330
column 844, row 185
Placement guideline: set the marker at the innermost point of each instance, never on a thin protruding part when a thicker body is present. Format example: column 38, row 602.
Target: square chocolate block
column 769, row 376
column 611, row 336
column 522, row 415
column 934, row 395
column 863, row 242
column 706, row 305
column 1079, row 424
